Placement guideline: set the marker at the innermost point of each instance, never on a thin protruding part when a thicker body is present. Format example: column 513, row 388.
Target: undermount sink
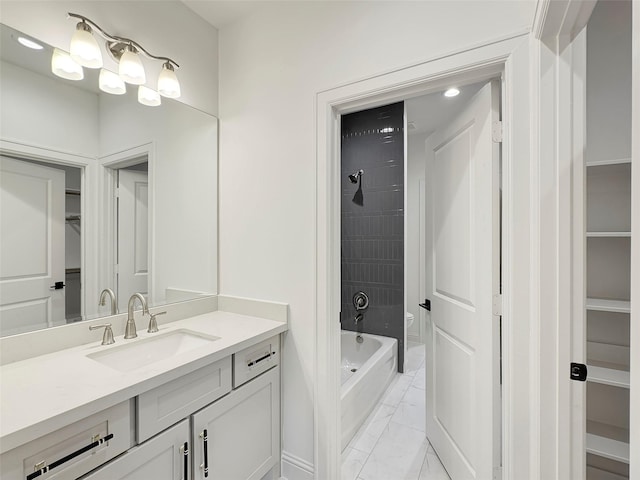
column 137, row 354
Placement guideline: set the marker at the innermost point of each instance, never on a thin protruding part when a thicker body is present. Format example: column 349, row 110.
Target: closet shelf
column 608, row 376
column 608, row 161
column 608, row 234
column 605, row 305
column 608, row 448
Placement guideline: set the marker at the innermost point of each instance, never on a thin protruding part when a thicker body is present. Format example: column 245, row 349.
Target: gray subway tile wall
column 372, row 230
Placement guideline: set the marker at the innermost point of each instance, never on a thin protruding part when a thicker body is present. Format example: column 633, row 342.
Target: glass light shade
column 168, row 85
column 148, row 97
column 109, row 82
column 131, row 69
column 63, row 66
column 84, row 49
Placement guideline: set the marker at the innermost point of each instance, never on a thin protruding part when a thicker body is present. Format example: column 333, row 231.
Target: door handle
column 57, row 286
column 205, row 465
column 185, row 453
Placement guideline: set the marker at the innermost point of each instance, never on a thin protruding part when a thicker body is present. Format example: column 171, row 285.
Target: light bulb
column 452, row 92
column 168, row 85
column 130, row 68
column 148, row 97
column 63, row 66
column 109, row 82
column 84, row 48
column 29, row 43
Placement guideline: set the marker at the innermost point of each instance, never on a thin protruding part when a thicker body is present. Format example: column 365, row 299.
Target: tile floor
column 391, row 444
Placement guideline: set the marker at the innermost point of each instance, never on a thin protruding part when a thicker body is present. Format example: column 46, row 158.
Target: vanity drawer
column 73, row 450
column 254, row 360
column 167, row 404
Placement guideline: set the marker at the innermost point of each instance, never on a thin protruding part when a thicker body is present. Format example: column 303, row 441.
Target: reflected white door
column 463, row 391
column 32, row 247
column 133, row 239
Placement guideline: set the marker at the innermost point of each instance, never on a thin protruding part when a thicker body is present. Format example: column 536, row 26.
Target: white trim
column 478, row 64
column 107, row 241
column 635, row 247
column 296, row 468
column 578, row 341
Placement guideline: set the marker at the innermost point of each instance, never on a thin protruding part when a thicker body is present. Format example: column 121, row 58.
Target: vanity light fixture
column 130, row 67
column 110, row 82
column 452, row 92
column 86, row 51
column 63, row 66
column 84, row 48
column 148, row 97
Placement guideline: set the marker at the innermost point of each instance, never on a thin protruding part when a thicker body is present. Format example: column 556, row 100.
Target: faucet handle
column 153, row 324
column 107, row 337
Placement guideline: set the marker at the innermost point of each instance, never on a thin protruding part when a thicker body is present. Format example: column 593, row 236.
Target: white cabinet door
column 32, row 248
column 463, row 396
column 164, row 457
column 238, row 437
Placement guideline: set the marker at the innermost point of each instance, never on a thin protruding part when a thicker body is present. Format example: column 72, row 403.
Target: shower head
column 353, row 178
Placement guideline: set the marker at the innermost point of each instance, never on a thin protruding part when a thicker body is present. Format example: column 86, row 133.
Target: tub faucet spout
column 359, row 318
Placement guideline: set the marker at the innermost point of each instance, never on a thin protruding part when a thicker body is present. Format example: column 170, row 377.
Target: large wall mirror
column 98, row 192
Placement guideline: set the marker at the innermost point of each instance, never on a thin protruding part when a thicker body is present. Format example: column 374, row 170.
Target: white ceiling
column 221, row 13
column 429, row 112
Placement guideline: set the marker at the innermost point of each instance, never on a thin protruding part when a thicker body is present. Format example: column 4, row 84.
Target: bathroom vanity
column 200, row 399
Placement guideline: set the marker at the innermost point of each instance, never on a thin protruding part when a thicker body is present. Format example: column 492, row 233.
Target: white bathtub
column 367, row 371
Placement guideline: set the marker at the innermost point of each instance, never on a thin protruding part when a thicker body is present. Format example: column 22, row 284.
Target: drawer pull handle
column 205, row 465
column 185, row 452
column 42, row 467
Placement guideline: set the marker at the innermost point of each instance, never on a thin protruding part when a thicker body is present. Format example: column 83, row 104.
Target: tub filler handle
column 360, row 301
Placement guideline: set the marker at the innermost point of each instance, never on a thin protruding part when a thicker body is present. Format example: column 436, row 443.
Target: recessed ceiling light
column 29, row 43
column 452, row 92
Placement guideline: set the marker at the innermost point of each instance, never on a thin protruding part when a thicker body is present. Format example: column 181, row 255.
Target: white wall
column 43, row 112
column 416, row 164
column 183, row 178
column 164, row 28
column 272, row 65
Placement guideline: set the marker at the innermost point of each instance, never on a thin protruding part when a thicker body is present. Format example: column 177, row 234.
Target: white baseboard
column 296, row 468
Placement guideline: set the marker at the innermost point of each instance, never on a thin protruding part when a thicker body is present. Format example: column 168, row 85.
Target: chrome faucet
column 103, row 300
column 130, row 329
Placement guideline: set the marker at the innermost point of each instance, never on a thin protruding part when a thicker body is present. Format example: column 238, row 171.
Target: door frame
column 111, row 163
column 559, row 56
column 508, row 58
column 88, row 210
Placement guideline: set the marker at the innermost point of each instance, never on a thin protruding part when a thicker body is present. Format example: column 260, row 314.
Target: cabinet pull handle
column 185, row 452
column 205, row 465
column 43, row 468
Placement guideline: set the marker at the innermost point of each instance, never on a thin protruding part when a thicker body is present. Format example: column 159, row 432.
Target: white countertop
column 42, row 394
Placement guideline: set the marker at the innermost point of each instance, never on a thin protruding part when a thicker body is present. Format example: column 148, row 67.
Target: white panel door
column 32, row 247
column 133, row 239
column 463, row 391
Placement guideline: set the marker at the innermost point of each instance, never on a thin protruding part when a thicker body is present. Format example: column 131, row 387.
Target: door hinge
column 497, row 304
column 116, row 192
column 496, row 131
column 116, row 269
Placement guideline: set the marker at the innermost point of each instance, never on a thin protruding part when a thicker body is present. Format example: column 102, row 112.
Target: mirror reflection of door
column 132, row 244
column 39, row 245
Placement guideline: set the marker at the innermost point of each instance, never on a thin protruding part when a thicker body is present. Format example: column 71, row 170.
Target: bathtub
column 367, row 370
